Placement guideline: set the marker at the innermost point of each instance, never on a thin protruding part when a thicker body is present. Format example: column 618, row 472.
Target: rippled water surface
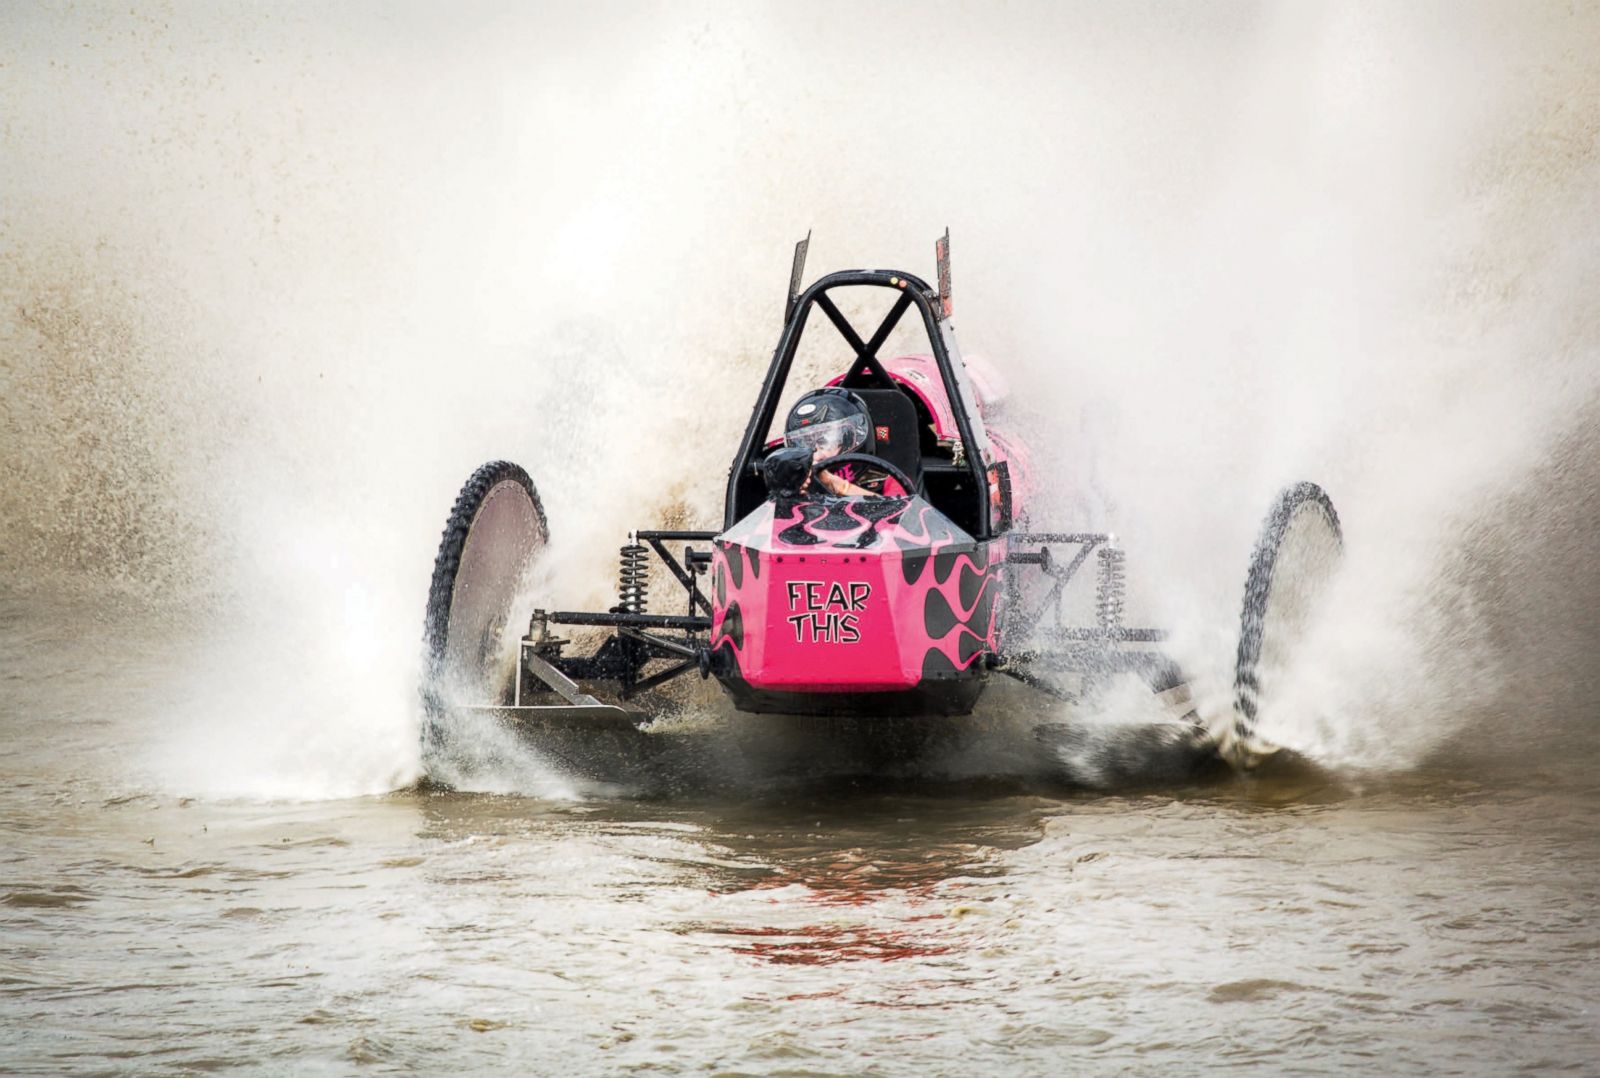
column 1437, row 920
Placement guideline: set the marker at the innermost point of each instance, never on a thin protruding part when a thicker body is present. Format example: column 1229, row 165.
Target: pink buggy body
column 868, row 605
column 811, row 603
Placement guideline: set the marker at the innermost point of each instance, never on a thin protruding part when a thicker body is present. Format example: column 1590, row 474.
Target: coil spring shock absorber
column 1111, row 590
column 633, row 578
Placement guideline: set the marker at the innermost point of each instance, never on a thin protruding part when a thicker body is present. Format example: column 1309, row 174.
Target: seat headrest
column 895, row 428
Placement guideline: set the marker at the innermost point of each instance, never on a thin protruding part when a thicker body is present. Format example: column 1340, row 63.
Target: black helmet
column 828, row 422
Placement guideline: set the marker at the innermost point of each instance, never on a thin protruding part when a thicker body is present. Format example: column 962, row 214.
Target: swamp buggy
column 901, row 603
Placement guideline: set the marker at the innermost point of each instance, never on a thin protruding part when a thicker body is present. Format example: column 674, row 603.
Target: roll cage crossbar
column 914, row 292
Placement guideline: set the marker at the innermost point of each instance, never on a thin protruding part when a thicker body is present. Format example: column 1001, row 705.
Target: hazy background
column 274, row 279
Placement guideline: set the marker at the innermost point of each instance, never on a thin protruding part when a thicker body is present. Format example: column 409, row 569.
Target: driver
column 832, row 421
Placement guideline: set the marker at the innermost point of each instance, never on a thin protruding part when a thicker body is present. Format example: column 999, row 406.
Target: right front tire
column 495, row 533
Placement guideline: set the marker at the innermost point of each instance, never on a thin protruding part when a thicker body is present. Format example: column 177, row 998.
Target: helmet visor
column 829, row 439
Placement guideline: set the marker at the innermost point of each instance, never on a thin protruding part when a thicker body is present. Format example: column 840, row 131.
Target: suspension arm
column 686, row 622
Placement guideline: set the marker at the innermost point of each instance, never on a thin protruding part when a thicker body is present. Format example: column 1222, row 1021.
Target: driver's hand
column 834, row 484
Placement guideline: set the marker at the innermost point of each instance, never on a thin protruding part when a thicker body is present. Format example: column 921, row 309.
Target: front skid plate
column 538, row 718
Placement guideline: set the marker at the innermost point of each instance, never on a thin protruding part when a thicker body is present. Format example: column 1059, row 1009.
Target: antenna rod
column 941, row 253
column 795, row 275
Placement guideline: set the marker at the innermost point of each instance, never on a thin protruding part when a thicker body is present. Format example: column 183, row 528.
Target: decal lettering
column 823, row 613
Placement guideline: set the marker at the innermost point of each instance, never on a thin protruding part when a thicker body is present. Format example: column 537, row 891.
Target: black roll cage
column 914, row 292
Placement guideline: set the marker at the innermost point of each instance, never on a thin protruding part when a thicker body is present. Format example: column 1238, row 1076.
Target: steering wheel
column 870, row 461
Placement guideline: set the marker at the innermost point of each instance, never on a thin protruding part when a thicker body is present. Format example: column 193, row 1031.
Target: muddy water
column 1440, row 919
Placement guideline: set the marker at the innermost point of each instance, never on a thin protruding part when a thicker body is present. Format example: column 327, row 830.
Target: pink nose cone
column 823, row 598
